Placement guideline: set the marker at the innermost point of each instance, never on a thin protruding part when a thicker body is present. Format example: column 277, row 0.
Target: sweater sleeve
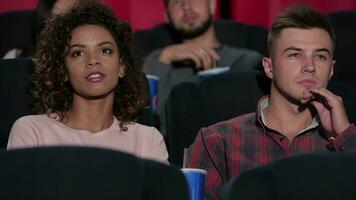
column 153, row 66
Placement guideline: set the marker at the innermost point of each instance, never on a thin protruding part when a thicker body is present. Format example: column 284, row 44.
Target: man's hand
column 330, row 109
column 204, row 57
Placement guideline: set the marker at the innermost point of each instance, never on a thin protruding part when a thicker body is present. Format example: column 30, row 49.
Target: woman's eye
column 106, row 51
column 77, row 53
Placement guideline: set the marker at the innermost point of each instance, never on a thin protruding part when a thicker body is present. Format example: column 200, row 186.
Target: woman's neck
column 90, row 115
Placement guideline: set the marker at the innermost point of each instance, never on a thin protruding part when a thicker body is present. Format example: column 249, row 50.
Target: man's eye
column 294, row 55
column 175, row 2
column 321, row 57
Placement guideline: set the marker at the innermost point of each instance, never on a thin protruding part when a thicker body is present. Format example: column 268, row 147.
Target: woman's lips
column 95, row 77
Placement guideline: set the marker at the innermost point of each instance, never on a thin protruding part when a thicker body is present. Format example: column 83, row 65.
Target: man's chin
column 296, row 99
column 193, row 30
column 304, row 100
column 190, row 33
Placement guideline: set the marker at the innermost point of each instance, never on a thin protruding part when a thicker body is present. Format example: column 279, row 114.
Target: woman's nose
column 93, row 60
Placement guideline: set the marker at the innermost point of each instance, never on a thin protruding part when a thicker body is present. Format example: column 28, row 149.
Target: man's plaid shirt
column 230, row 147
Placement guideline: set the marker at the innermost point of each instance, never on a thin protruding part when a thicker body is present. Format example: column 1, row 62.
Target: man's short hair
column 299, row 16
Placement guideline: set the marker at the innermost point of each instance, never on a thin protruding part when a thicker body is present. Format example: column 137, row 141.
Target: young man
column 192, row 20
column 299, row 116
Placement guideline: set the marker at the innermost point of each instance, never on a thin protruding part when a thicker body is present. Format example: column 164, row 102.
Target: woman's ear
column 268, row 66
column 122, row 70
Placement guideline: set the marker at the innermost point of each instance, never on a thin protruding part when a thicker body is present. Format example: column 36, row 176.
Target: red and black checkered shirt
column 230, row 147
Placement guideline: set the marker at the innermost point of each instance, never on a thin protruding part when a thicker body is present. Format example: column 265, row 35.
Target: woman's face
column 93, row 62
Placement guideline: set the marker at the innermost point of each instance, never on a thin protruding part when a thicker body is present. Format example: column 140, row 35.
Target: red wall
column 263, row 12
column 144, row 14
column 140, row 13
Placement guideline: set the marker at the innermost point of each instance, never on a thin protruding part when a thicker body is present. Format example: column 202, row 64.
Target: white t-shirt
column 40, row 130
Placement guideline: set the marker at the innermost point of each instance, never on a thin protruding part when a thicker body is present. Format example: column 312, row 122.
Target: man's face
column 301, row 59
column 190, row 18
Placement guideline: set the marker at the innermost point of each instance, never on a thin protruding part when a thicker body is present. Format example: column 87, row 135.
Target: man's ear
column 268, row 66
column 332, row 69
column 212, row 7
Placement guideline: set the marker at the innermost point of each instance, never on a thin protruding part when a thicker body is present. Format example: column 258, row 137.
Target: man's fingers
column 327, row 97
column 213, row 54
column 205, row 58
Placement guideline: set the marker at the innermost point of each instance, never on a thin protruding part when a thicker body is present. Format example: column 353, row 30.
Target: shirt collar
column 263, row 103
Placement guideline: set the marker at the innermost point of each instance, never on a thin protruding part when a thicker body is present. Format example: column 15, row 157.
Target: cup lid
column 194, row 170
column 152, row 76
column 214, row 71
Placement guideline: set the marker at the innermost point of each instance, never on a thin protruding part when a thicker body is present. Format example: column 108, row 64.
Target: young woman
column 87, row 88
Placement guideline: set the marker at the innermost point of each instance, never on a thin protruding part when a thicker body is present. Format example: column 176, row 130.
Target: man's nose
column 309, row 65
column 186, row 4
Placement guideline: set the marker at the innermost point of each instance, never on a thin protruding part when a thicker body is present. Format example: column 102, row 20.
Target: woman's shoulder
column 32, row 118
column 137, row 127
column 142, row 130
column 28, row 126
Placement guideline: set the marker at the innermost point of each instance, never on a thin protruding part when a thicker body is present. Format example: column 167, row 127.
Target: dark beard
column 193, row 33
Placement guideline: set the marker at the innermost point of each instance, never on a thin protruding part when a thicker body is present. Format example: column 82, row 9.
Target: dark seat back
column 306, row 177
column 344, row 24
column 194, row 105
column 17, row 30
column 229, row 32
column 15, row 94
column 242, row 35
column 86, row 173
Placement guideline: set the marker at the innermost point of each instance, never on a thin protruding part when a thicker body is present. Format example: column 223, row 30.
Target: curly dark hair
column 52, row 92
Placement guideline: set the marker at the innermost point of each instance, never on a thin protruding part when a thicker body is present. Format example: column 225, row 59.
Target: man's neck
column 208, row 39
column 286, row 117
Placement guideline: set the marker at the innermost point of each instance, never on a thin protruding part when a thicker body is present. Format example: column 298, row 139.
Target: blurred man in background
column 199, row 49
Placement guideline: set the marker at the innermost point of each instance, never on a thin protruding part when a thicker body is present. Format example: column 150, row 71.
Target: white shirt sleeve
column 22, row 134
